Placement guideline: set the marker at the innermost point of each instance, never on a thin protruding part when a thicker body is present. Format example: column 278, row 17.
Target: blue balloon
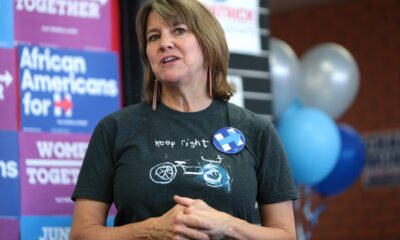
column 349, row 165
column 294, row 106
column 312, row 142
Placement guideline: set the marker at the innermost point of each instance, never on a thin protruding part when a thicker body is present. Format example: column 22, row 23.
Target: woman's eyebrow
column 152, row 30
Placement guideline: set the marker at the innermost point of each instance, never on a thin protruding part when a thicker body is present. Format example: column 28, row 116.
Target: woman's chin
column 170, row 79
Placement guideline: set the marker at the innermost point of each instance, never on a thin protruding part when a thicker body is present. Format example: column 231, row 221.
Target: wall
column 370, row 30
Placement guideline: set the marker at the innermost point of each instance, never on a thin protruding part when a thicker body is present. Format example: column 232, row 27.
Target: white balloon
column 329, row 79
column 284, row 66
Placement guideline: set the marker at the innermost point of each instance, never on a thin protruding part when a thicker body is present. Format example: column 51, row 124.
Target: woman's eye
column 152, row 38
column 180, row 30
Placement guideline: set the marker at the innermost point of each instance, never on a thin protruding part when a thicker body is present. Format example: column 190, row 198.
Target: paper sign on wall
column 240, row 21
column 238, row 96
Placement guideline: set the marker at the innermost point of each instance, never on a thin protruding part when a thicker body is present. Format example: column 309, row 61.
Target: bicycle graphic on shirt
column 211, row 173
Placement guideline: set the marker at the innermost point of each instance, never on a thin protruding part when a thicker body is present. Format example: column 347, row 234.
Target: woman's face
column 174, row 53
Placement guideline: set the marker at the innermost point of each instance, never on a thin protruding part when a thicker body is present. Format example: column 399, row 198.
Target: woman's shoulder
column 246, row 116
column 127, row 111
column 131, row 113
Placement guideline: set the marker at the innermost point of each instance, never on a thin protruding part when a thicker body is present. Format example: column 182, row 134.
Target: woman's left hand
column 198, row 214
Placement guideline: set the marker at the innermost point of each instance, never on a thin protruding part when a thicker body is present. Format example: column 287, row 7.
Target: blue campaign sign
column 63, row 90
column 6, row 24
column 45, row 227
column 9, row 174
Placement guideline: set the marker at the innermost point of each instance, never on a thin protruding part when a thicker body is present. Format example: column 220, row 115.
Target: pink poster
column 49, row 168
column 80, row 24
column 9, row 228
column 8, row 90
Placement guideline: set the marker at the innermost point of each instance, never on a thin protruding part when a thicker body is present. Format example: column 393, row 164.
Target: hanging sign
column 6, row 24
column 66, row 90
column 9, row 174
column 50, row 165
column 45, row 227
column 83, row 24
column 9, row 228
column 8, row 86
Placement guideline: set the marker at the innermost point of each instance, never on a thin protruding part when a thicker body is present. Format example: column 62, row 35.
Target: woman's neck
column 185, row 101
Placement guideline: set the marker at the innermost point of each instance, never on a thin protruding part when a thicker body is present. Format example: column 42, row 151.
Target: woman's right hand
column 170, row 226
column 90, row 216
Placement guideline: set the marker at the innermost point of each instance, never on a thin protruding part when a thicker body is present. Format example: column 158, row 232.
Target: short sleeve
column 96, row 175
column 274, row 176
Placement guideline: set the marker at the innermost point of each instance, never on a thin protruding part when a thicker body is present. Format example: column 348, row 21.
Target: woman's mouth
column 169, row 59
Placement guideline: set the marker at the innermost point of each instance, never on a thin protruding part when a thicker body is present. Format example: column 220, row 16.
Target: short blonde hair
column 204, row 26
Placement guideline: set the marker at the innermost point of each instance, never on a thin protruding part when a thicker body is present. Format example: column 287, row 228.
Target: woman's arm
column 277, row 221
column 90, row 216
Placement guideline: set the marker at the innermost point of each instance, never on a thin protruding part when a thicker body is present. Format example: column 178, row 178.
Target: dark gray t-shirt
column 138, row 159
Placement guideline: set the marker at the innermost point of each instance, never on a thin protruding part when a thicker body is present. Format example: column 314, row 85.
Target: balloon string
column 311, row 216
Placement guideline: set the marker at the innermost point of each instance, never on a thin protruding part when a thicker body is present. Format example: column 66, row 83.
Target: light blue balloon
column 312, row 142
column 289, row 111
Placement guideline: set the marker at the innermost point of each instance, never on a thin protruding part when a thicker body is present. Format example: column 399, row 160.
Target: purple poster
column 9, row 228
column 49, row 168
column 8, row 99
column 82, row 24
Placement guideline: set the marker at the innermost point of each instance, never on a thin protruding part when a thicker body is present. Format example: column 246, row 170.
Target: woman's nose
column 166, row 42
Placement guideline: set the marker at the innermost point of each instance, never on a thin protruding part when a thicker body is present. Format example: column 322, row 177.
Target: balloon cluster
column 310, row 93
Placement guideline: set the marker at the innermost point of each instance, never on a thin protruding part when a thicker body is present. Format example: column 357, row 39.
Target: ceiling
column 287, row 5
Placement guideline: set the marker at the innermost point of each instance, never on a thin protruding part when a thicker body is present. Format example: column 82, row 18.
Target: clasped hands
column 192, row 219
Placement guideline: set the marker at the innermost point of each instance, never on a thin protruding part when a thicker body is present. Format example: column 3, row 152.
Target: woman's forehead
column 154, row 19
column 171, row 17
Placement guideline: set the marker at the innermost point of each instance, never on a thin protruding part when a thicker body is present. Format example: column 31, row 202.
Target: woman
column 184, row 163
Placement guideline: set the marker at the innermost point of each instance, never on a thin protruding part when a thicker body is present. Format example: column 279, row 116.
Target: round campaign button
column 229, row 140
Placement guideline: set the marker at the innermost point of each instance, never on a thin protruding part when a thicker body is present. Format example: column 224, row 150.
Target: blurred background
column 369, row 208
column 326, row 72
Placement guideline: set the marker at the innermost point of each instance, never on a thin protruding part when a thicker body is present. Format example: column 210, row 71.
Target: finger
column 178, row 208
column 185, row 201
column 196, row 222
column 180, row 237
column 184, row 232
